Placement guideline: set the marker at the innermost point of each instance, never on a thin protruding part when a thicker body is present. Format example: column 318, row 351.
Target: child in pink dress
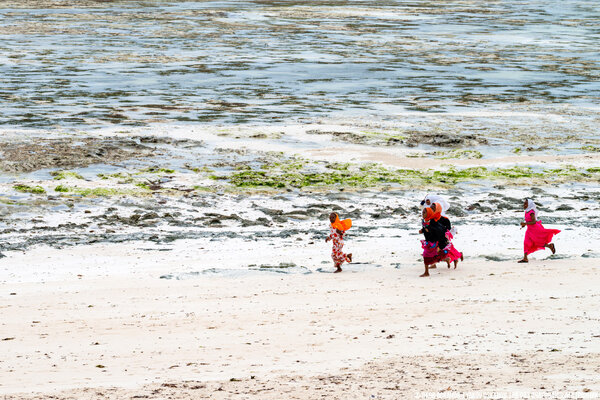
column 337, row 231
column 536, row 237
column 453, row 254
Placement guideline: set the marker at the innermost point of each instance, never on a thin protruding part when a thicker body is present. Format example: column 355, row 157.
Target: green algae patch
column 591, row 149
column 386, row 135
column 115, row 175
column 9, row 202
column 339, row 166
column 291, row 165
column 157, row 170
column 29, row 189
column 203, row 169
column 143, row 185
column 127, row 178
column 199, row 188
column 105, row 192
column 257, row 179
column 515, row 173
column 98, row 191
column 59, row 175
column 121, row 177
column 458, row 154
column 568, row 171
column 302, row 174
column 334, row 175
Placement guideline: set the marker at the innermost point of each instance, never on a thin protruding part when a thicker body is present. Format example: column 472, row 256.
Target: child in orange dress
column 337, row 231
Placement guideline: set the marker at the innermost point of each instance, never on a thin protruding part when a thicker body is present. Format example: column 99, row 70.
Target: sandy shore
column 399, row 159
column 380, row 333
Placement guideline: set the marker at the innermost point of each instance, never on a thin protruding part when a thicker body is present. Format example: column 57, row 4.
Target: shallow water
column 132, row 63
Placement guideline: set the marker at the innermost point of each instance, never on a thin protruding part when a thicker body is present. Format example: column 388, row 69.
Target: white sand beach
column 378, row 333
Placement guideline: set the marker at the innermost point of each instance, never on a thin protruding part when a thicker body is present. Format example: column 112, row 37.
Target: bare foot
column 433, row 266
column 448, row 262
column 424, row 274
column 455, row 263
column 523, row 261
column 349, row 257
column 552, row 248
column 462, row 258
column 339, row 269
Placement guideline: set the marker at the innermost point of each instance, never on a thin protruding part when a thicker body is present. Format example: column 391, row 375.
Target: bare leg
column 349, row 257
column 524, row 260
column 455, row 263
column 432, row 266
column 426, row 273
column 551, row 247
column 447, row 260
column 338, row 268
column 462, row 257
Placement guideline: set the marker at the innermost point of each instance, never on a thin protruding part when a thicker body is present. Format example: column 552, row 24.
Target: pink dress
column 430, row 252
column 451, row 251
column 536, row 236
column 336, row 251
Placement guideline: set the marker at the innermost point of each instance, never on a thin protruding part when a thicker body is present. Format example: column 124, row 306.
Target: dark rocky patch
column 564, row 207
column 185, row 143
column 261, row 221
column 479, row 207
column 19, row 157
column 445, row 140
column 342, row 136
column 456, row 212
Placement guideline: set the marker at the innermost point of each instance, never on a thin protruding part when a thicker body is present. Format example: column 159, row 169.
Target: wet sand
column 397, row 159
column 379, row 333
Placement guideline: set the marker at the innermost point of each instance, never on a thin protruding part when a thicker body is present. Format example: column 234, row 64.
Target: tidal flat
column 162, row 186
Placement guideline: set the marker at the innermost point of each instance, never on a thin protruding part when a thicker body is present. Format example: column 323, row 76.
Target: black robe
column 436, row 232
column 446, row 223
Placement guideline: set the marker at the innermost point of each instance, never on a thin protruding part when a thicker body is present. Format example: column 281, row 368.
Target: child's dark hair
column 333, row 216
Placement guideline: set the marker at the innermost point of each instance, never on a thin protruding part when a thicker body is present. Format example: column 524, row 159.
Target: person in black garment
column 435, row 240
